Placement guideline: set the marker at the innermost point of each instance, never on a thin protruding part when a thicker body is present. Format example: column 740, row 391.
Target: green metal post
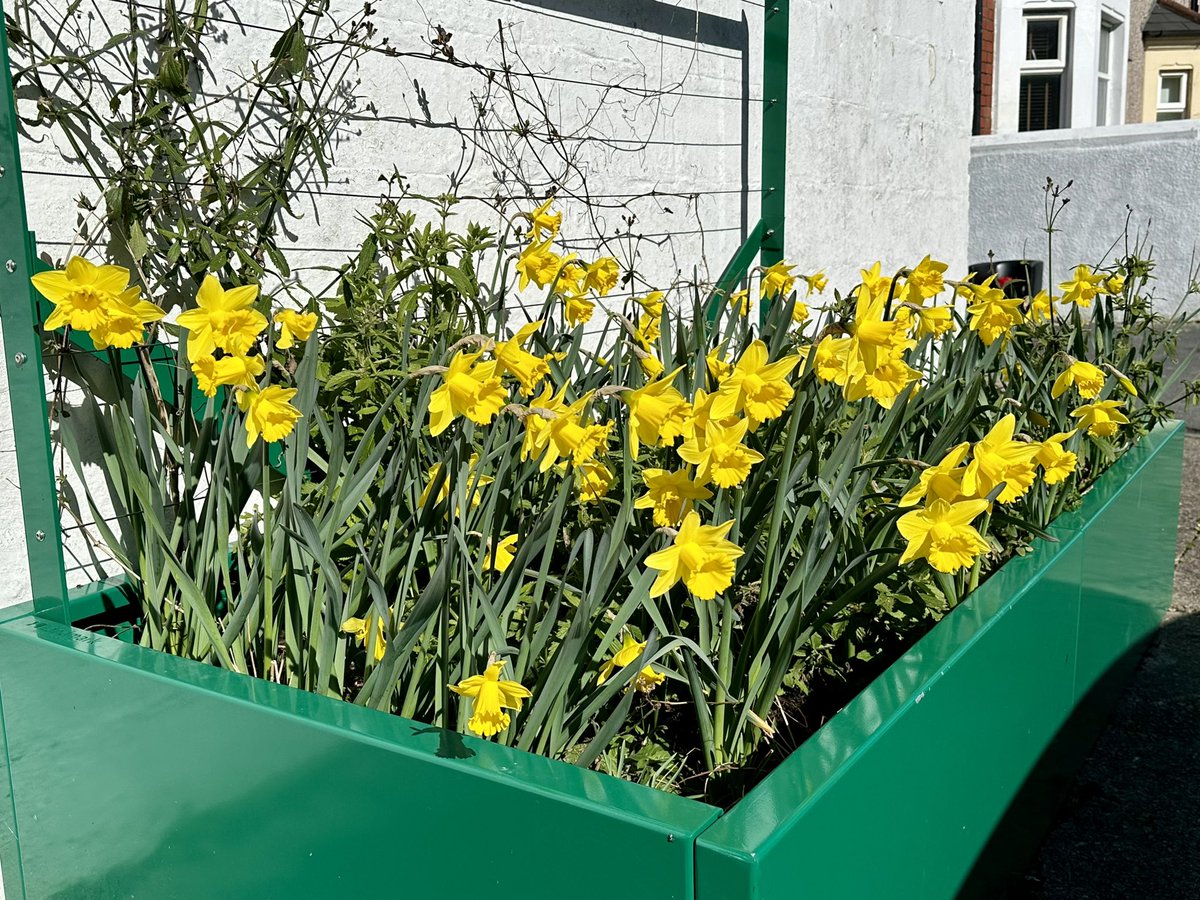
column 774, row 130
column 26, row 383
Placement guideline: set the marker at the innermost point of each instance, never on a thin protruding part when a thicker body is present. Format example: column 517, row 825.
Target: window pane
column 1170, row 89
column 1102, row 102
column 1041, row 38
column 1105, row 48
column 1170, row 116
column 1041, row 102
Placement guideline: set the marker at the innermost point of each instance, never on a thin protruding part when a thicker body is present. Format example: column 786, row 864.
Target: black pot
column 1016, row 277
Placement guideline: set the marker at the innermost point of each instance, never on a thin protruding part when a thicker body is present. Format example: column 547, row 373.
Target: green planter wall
column 132, row 773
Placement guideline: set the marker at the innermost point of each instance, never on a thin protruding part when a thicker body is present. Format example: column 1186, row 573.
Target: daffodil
column 670, row 495
column 816, row 282
column 700, row 556
column 578, row 309
column 1083, row 286
column 492, row 695
column 875, row 281
column 1057, row 462
column 993, row 315
column 657, row 413
column 720, row 455
column 924, row 281
column 777, row 279
column 1114, row 284
column 571, row 435
column 235, row 371
column 716, row 363
column 631, row 649
column 999, row 458
column 757, row 386
column 739, row 302
column 543, row 409
column 539, row 264
column 294, row 326
column 501, row 554
column 473, row 480
column 222, row 320
column 512, row 357
column 942, row 533
column 942, row 481
column 830, row 361
column 1102, row 418
column 82, row 293
column 647, row 680
column 935, row 321
column 361, row 630
column 126, row 322
column 884, row 384
column 648, row 330
column 652, row 303
column 602, row 275
column 469, row 388
column 1083, row 376
column 269, row 413
column 593, row 480
column 1041, row 307
column 542, row 221
column 874, row 340
column 800, row 312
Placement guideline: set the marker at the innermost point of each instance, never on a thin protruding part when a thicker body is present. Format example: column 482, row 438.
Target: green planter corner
column 133, row 773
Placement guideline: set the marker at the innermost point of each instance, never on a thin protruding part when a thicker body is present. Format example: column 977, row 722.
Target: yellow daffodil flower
column 569, row 435
column 831, row 361
column 884, row 383
column 1057, row 462
column 1041, row 307
column 269, row 413
column 716, row 363
column 924, row 281
column 235, row 371
column 874, row 340
column 816, row 282
column 647, row 680
column 652, row 303
column 999, row 458
column 942, row 533
column 593, row 480
column 1114, row 284
column 657, row 413
column 1083, row 286
column 434, row 476
column 223, row 320
column 492, row 695
column 630, row 650
column 1101, row 419
column 512, row 357
column 720, row 455
column 874, row 281
column 127, row 320
column 361, row 630
column 542, row 221
column 739, row 302
column 993, row 315
column 501, row 555
column 649, row 328
column 670, row 495
column 542, row 410
column 602, row 275
column 578, row 309
column 468, row 389
column 1086, row 378
column 935, row 321
column 294, row 326
column 777, row 280
column 700, row 555
column 82, row 293
column 940, row 482
column 539, row 264
column 651, row 365
column 756, row 386
column 800, row 312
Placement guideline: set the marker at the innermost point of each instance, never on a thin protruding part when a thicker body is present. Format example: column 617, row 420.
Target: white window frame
column 1181, row 107
column 1060, row 66
column 1059, row 63
column 1105, row 83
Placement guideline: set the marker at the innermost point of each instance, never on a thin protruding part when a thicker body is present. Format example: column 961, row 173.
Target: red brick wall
column 985, row 58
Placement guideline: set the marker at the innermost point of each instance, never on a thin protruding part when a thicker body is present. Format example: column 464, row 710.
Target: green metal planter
column 133, row 773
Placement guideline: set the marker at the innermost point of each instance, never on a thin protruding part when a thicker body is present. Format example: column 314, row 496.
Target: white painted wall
column 1151, row 168
column 1082, row 58
column 877, row 150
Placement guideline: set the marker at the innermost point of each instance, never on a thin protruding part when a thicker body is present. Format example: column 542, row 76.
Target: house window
column 1104, row 79
column 1044, row 73
column 1172, row 96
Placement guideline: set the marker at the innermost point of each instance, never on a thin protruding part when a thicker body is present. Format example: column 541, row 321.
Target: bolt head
column 40, row 535
column 11, row 266
column 19, row 358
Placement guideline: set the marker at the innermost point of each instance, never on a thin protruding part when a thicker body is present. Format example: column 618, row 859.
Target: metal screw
column 19, row 358
column 40, row 535
column 1, row 171
column 11, row 266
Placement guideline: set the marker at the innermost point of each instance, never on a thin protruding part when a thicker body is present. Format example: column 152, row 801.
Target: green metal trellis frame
column 22, row 333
